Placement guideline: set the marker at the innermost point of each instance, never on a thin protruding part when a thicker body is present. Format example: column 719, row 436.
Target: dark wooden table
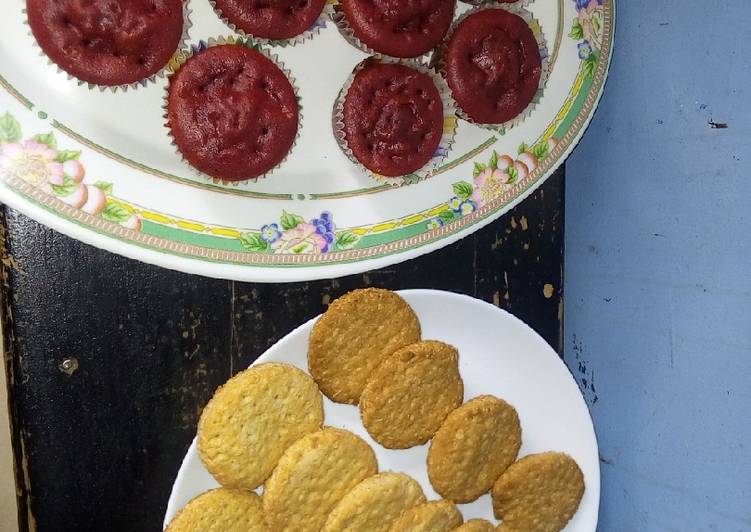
column 110, row 360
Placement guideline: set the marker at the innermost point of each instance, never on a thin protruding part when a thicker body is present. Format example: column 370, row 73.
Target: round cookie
column 220, row 510
column 539, row 493
column 411, row 393
column 253, row 418
column 473, row 446
column 434, row 516
column 392, row 118
column 375, row 503
column 313, row 476
column 476, row 525
column 280, row 19
column 232, row 112
column 107, row 43
column 357, row 332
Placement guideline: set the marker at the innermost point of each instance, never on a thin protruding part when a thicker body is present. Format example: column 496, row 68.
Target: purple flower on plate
column 455, row 204
column 585, row 50
column 467, row 207
column 435, row 223
column 324, row 225
column 270, row 233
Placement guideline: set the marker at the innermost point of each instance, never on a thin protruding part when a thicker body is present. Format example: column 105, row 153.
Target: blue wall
column 658, row 269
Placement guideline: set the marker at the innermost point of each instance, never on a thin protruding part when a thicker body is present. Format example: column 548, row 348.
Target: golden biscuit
column 539, row 493
column 253, row 418
column 357, row 332
column 476, row 525
column 375, row 503
column 475, row 444
column 312, row 477
column 411, row 393
column 434, row 516
column 220, row 510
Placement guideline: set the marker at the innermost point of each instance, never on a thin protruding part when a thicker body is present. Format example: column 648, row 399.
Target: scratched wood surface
column 110, row 360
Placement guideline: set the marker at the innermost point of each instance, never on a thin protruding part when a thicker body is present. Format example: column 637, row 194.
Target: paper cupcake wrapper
column 534, row 25
column 313, row 30
column 447, row 138
column 161, row 73
column 342, row 24
column 184, row 55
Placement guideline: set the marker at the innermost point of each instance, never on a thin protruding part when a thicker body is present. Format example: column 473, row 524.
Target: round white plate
column 498, row 355
column 144, row 202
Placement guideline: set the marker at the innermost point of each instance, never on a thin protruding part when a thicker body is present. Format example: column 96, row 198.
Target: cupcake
column 492, row 64
column 396, row 27
column 392, row 118
column 232, row 112
column 107, row 42
column 278, row 19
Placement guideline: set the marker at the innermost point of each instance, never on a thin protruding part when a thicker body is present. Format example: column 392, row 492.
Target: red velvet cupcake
column 399, row 28
column 232, row 112
column 270, row 19
column 108, row 42
column 492, row 64
column 392, row 118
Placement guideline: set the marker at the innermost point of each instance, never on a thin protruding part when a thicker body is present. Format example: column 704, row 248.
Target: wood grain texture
column 110, row 361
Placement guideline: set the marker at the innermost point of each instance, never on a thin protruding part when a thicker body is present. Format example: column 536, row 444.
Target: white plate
column 154, row 207
column 498, row 355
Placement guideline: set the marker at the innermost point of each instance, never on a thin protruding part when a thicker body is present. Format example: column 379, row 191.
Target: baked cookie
column 539, row 493
column 434, row 516
column 375, row 503
column 312, row 477
column 357, row 332
column 253, row 418
column 410, row 394
column 220, row 510
column 476, row 525
column 475, row 444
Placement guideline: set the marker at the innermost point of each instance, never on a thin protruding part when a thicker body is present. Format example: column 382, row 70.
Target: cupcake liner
column 449, row 124
column 342, row 24
column 314, row 29
column 534, row 25
column 161, row 73
column 180, row 58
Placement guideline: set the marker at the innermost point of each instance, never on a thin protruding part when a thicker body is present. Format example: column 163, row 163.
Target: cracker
column 312, row 477
column 220, row 510
column 434, row 516
column 411, row 393
column 253, row 418
column 475, row 444
column 539, row 493
column 375, row 503
column 357, row 332
column 476, row 525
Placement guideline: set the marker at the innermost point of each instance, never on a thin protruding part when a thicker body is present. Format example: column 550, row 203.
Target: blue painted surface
column 658, row 269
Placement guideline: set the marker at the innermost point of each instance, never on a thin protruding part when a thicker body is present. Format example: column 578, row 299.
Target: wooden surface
column 110, row 360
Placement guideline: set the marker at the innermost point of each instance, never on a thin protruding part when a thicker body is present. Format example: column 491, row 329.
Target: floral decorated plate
column 99, row 165
column 498, row 355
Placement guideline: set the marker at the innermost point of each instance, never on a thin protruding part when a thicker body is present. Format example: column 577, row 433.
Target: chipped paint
column 548, row 290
